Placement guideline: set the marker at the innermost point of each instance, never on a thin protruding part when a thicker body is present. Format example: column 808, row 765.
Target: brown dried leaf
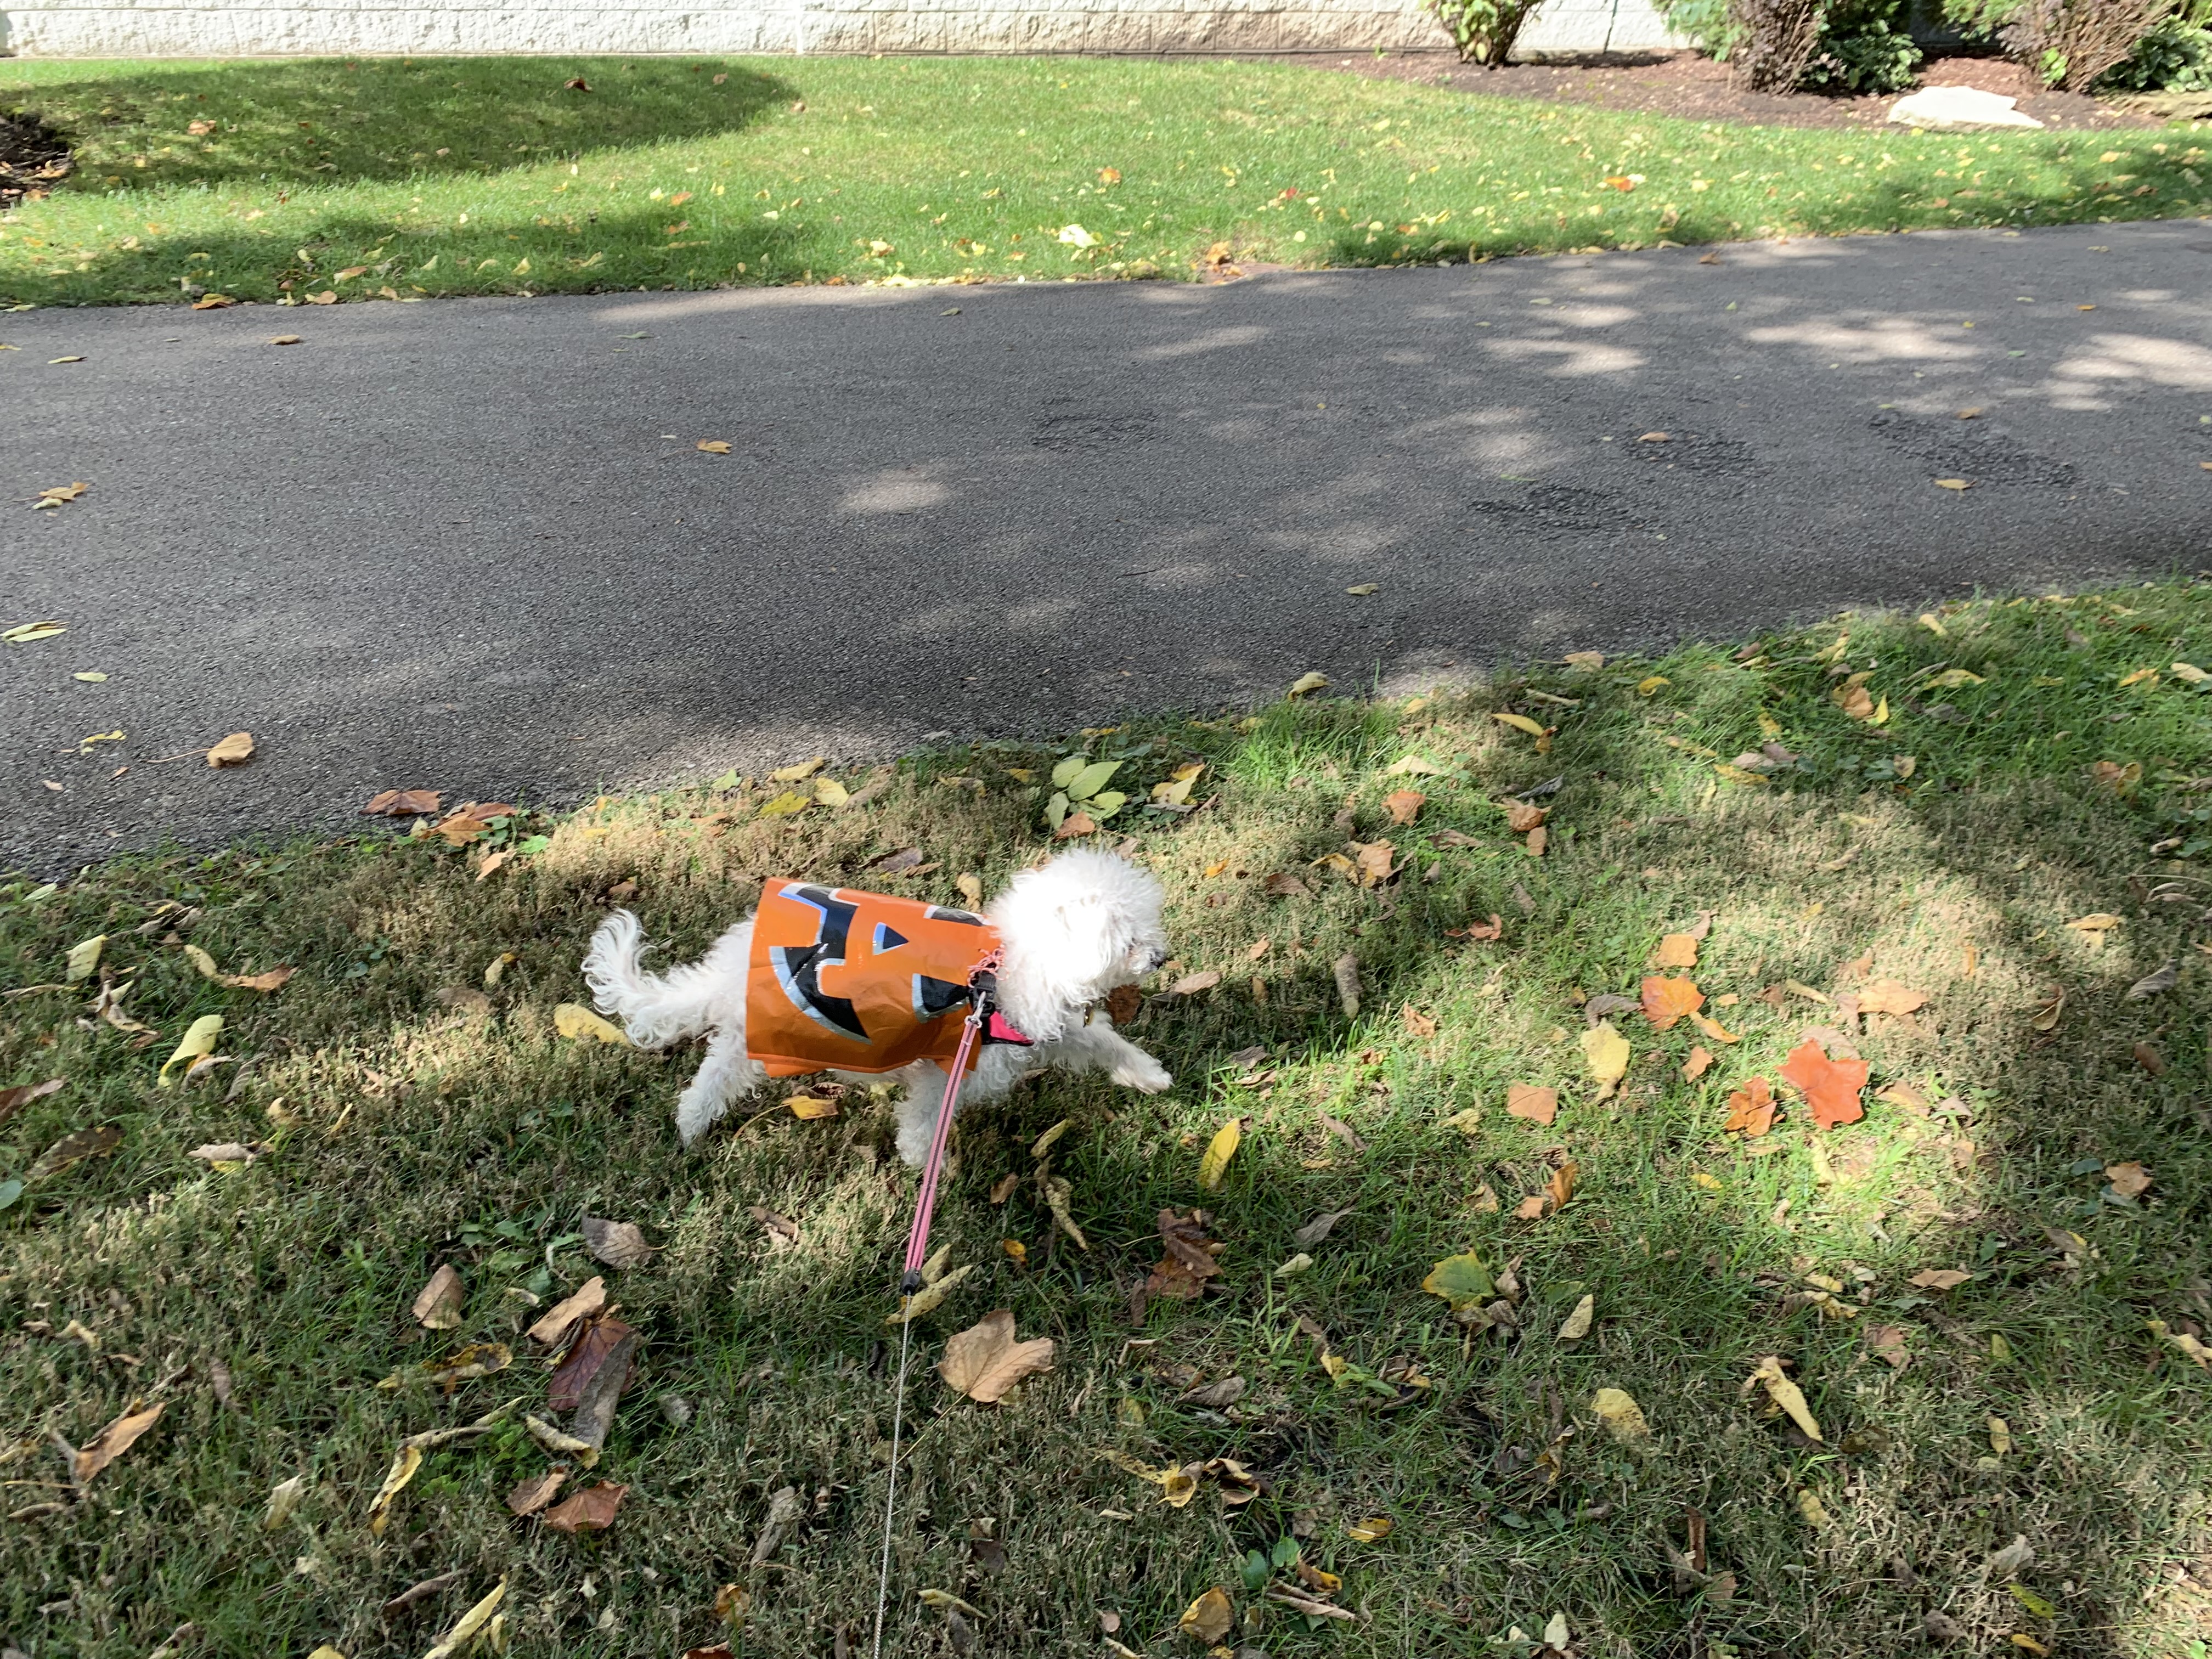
column 2129, row 1179
column 1403, row 806
column 1832, row 1087
column 1561, row 1186
column 114, row 1440
column 438, row 1304
column 1675, row 951
column 555, row 1326
column 1939, row 1279
column 1699, row 1062
column 984, row 1361
column 592, row 1510
column 14, row 1100
column 1888, row 996
column 1751, row 1108
column 595, row 1345
column 235, row 749
column 1531, row 1101
column 532, row 1495
column 403, row 803
column 617, row 1243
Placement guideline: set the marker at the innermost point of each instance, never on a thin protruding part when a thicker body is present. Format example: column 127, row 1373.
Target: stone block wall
column 227, row 29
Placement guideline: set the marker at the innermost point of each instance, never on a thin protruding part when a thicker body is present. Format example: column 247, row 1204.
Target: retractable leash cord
column 983, row 1021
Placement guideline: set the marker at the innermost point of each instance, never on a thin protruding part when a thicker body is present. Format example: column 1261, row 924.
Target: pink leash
column 981, row 1018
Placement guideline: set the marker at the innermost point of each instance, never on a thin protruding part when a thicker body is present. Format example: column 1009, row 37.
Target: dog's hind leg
column 917, row 1112
column 726, row 1073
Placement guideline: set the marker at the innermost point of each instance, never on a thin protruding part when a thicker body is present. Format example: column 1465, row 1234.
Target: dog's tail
column 654, row 1011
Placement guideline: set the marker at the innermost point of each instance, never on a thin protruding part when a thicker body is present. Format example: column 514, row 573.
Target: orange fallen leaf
column 1527, row 1100
column 1404, row 805
column 1751, row 1108
column 1521, row 816
column 1561, row 1186
column 1667, row 1000
column 1530, row 1208
column 1713, row 1029
column 1699, row 1062
column 1676, row 951
column 2129, row 1179
column 402, row 803
column 1832, row 1087
column 1939, row 1279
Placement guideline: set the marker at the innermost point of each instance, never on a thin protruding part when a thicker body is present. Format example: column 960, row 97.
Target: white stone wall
column 227, row 29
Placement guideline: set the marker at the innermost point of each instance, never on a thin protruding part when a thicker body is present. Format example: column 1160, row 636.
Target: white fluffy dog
column 1071, row 931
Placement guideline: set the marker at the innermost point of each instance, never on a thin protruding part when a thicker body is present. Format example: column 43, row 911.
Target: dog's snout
column 1152, row 959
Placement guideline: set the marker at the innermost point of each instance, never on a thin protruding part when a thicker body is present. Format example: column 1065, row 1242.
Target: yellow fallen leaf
column 1809, row 1507
column 199, row 1040
column 405, row 1463
column 1519, row 723
column 1622, row 1416
column 1933, row 623
column 1364, row 589
column 1650, row 683
column 713, row 447
column 809, row 1109
column 1786, row 1394
column 1371, row 1530
column 1607, row 1053
column 2000, row 1436
column 2139, row 677
column 573, row 1019
column 1208, row 1620
column 1585, row 662
column 1308, row 683
column 465, row 1628
column 1218, row 1150
column 929, row 1297
column 1953, row 484
column 83, row 958
column 789, row 803
column 1578, row 1323
column 828, row 791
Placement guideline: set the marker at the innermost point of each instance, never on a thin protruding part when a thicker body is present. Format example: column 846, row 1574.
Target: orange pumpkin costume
column 849, row 982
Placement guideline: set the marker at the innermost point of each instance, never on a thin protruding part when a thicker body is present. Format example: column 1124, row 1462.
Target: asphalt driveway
column 472, row 545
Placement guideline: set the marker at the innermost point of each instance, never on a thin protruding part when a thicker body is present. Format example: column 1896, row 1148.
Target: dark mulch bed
column 33, row 156
column 1696, row 88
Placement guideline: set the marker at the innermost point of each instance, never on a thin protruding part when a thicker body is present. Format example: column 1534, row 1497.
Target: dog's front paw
column 1143, row 1073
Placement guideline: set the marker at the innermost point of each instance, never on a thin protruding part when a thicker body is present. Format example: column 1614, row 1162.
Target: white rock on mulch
column 1952, row 109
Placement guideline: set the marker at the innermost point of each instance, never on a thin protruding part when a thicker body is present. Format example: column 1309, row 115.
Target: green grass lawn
column 489, row 176
column 2011, row 770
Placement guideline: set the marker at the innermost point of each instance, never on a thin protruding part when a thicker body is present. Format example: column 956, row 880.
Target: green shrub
column 1873, row 59
column 1704, row 24
column 1483, row 30
column 2172, row 57
column 2072, row 44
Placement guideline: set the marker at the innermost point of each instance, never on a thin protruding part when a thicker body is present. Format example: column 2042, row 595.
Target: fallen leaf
column 1533, row 1102
column 1622, row 1416
column 528, row 1497
column 199, row 1040
column 2182, row 1343
column 559, row 1444
column 1606, row 1051
column 1372, row 1529
column 72, row 1148
column 1886, row 1343
column 617, row 1243
column 1364, row 589
column 1676, row 951
column 1939, row 1279
column 592, row 1510
column 1346, row 972
column 1218, row 1150
column 1953, row 484
column 1191, row 984
column 1578, row 1325
column 438, row 1304
column 405, row 1463
column 1751, row 1108
column 2000, row 1437
column 1699, row 1062
column 114, row 1440
column 713, row 447
column 1208, row 1620
column 31, row 632
column 1286, row 886
column 1786, row 1394
column 2048, row 1011
column 1714, row 1029
column 1308, row 683
column 1462, row 1280
column 554, row 1328
column 811, row 1109
column 1376, row 860
column 2013, row 1558
column 1561, row 1186
column 1530, row 1208
column 2151, row 984
column 1667, row 1000
column 573, row 1019
column 235, row 749
column 984, row 1361
column 13, row 1100
column 402, row 804
column 2129, row 1179
column 1519, row 723
column 1888, row 996
column 1831, row 1086
column 1403, row 806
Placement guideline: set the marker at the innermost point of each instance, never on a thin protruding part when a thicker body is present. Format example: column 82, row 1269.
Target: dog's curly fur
column 1071, row 931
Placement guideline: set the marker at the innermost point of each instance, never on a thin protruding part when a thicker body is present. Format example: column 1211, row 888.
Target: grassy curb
column 414, row 1117
column 262, row 180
